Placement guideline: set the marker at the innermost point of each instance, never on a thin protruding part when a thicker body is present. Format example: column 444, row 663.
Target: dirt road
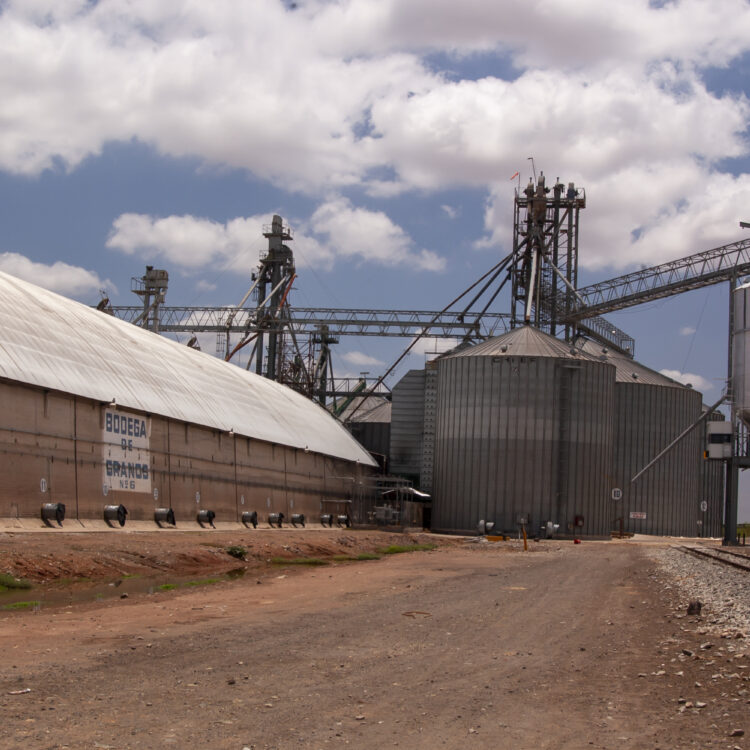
column 565, row 647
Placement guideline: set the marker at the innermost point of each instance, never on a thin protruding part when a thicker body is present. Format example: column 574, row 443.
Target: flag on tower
column 513, row 177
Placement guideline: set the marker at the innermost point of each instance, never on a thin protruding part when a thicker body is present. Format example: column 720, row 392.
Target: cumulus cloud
column 689, row 378
column 60, row 277
column 192, row 243
column 361, row 359
column 434, row 345
column 370, row 235
column 609, row 95
column 687, row 331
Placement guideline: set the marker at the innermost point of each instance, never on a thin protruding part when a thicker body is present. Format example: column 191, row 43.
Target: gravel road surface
column 480, row 645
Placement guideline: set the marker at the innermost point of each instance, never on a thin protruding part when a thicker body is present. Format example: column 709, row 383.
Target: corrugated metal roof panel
column 525, row 341
column 53, row 342
column 626, row 368
column 375, row 409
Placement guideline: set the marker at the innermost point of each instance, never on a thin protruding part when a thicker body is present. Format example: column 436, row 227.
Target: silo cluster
column 530, row 430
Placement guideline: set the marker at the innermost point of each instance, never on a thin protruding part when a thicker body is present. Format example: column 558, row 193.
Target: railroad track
column 723, row 556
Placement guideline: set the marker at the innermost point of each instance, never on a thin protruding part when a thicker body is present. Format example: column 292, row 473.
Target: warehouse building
column 98, row 412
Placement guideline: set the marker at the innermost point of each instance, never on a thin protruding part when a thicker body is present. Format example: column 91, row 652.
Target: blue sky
column 385, row 133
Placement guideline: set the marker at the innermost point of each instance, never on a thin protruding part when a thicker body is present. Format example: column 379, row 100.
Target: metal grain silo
column 712, row 489
column 407, row 426
column 651, row 410
column 523, row 430
column 741, row 353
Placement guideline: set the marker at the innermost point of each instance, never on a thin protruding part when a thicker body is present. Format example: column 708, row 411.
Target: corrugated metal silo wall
column 648, row 418
column 407, row 425
column 374, row 436
column 519, row 436
column 712, row 479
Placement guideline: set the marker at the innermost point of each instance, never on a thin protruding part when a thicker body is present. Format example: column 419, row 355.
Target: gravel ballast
column 722, row 590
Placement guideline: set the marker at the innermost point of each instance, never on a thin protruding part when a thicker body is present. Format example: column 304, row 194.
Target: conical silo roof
column 627, row 370
column 525, row 341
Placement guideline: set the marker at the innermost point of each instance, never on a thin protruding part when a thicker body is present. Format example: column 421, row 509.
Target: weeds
column 9, row 582
column 395, row 549
column 167, row 586
column 22, row 605
column 201, row 582
column 236, row 550
column 355, row 558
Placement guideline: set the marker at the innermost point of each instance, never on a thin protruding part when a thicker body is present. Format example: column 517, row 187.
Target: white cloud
column 687, row 331
column 689, row 378
column 450, row 211
column 433, row 345
column 192, row 243
column 371, row 235
column 59, row 277
column 607, row 94
column 361, row 359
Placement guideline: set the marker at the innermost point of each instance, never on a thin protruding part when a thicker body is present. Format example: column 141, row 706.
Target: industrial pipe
column 485, row 527
column 53, row 512
column 115, row 513
column 250, row 517
column 164, row 515
column 206, row 517
column 298, row 518
column 275, row 519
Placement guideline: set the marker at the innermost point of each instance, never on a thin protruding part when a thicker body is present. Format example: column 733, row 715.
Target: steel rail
column 698, row 552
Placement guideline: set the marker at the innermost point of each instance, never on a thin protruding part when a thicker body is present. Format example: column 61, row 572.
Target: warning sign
column 637, row 515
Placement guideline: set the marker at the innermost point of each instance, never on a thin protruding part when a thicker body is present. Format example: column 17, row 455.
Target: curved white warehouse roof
column 53, row 342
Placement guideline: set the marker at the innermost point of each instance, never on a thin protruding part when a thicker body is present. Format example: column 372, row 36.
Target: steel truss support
column 636, row 288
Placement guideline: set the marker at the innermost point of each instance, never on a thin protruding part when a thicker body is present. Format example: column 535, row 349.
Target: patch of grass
column 22, row 605
column 201, row 582
column 396, row 549
column 298, row 561
column 356, row 558
column 130, row 575
column 368, row 556
column 10, row 582
column 167, row 586
column 236, row 550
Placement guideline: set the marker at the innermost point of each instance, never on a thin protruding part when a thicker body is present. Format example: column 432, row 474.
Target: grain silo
column 407, row 425
column 523, row 433
column 651, row 410
column 98, row 412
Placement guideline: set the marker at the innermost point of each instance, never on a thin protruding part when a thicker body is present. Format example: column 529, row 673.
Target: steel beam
column 665, row 280
column 340, row 322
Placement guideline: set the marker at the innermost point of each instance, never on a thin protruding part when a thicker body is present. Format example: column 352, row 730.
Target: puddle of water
column 78, row 592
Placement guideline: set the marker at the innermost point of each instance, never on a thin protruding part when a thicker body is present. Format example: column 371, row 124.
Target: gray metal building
column 524, row 432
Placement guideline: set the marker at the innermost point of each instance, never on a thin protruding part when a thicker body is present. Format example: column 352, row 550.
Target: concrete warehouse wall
column 55, row 447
